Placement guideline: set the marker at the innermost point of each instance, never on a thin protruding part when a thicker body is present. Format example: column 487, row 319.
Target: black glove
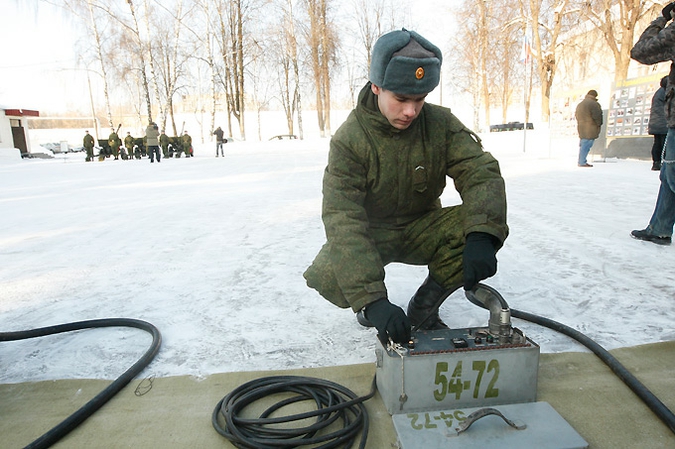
column 389, row 320
column 667, row 10
column 480, row 261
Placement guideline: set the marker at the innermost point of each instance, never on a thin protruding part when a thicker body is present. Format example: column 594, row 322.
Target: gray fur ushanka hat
column 405, row 63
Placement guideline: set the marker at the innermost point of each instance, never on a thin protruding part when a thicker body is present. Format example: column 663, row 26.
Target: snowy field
column 212, row 250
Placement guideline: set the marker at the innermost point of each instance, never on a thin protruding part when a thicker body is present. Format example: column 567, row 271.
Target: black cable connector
column 653, row 402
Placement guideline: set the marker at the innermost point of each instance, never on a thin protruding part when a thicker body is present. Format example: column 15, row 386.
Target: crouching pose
column 387, row 168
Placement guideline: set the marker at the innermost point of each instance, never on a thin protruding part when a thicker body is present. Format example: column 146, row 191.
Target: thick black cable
column 653, row 402
column 333, row 403
column 626, row 376
column 74, row 420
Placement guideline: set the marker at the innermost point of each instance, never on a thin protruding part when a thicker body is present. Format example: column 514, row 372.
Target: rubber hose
column 74, row 420
column 333, row 401
column 626, row 376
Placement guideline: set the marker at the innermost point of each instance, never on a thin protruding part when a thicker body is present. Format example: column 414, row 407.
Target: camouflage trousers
column 435, row 239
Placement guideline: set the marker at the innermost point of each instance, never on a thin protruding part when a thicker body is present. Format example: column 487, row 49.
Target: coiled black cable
column 333, row 403
column 74, row 420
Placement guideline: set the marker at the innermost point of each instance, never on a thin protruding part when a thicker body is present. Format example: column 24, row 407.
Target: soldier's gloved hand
column 480, row 261
column 389, row 320
column 666, row 11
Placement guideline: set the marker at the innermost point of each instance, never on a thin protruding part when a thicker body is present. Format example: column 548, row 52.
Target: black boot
column 422, row 302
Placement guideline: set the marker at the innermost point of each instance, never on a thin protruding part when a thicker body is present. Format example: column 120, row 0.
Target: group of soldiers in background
column 136, row 147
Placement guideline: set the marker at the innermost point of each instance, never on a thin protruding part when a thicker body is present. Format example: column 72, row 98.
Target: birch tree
column 231, row 40
column 141, row 55
column 322, row 44
column 616, row 20
column 91, row 20
column 546, row 19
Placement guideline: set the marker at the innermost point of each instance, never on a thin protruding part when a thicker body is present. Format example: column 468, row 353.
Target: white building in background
column 14, row 128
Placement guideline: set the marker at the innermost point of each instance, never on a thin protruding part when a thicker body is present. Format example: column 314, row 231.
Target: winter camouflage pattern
column 381, row 201
column 187, row 143
column 114, row 143
column 164, row 143
column 657, row 44
column 88, row 143
column 129, row 143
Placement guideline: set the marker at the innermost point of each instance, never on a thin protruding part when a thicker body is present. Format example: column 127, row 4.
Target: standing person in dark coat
column 657, row 44
column 658, row 125
column 388, row 165
column 152, row 142
column 88, row 144
column 219, row 133
column 589, row 121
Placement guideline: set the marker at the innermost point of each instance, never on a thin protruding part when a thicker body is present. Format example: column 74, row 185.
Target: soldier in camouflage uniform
column 114, row 143
column 88, row 144
column 387, row 167
column 164, row 143
column 129, row 145
column 186, row 140
column 657, row 44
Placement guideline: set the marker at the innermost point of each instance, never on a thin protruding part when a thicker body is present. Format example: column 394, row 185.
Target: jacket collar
column 368, row 109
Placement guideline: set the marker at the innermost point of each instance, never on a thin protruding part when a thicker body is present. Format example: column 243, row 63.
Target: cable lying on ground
column 333, row 403
column 626, row 376
column 74, row 420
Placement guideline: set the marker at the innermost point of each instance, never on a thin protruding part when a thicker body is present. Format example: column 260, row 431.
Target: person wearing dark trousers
column 658, row 125
column 219, row 133
column 152, row 141
column 164, row 143
column 657, row 44
column 88, row 143
column 388, row 165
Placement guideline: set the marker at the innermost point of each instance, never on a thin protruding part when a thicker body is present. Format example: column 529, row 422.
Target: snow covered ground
column 212, row 250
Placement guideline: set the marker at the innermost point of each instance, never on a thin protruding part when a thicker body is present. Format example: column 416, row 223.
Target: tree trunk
column 141, row 57
column 99, row 51
column 483, row 34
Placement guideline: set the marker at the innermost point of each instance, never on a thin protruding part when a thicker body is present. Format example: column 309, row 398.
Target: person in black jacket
column 658, row 125
column 219, row 133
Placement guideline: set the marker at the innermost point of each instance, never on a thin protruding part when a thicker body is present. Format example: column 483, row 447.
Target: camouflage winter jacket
column 164, row 141
column 379, row 176
column 88, row 141
column 657, row 44
column 114, row 141
column 129, row 142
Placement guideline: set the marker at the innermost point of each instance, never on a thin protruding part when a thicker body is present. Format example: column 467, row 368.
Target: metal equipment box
column 452, row 368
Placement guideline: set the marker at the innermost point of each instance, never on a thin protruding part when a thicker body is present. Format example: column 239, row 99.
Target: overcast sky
column 37, row 53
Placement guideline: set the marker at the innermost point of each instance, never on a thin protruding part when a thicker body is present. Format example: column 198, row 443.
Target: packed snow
column 212, row 250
